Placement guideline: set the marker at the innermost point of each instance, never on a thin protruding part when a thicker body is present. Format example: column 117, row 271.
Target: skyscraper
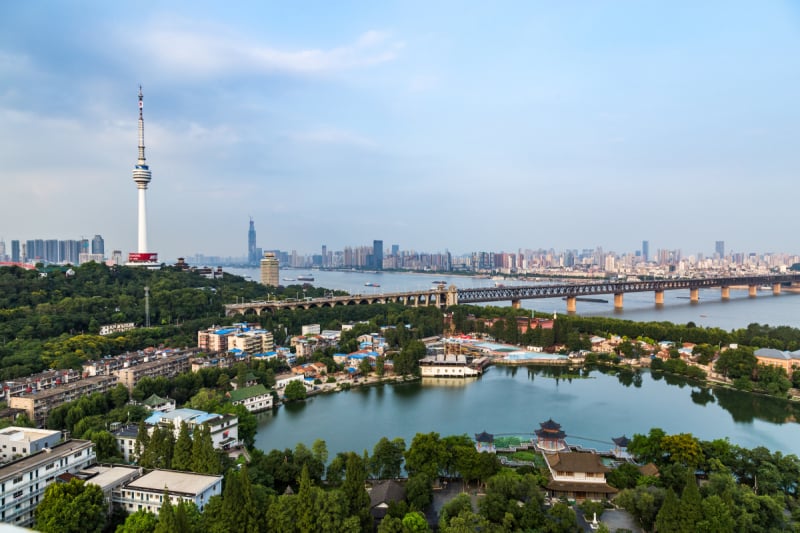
column 252, row 257
column 15, row 257
column 142, row 176
column 377, row 254
column 270, row 271
column 719, row 248
column 98, row 246
column 646, row 250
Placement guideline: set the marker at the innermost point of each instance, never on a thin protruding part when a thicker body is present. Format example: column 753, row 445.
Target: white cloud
column 207, row 53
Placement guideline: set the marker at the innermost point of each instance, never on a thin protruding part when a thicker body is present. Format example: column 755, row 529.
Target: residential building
column 281, row 380
column 146, row 493
column 447, row 366
column 224, row 428
column 577, row 475
column 215, row 340
column 252, row 341
column 255, row 399
column 167, row 364
column 23, row 482
column 16, row 442
column 270, row 272
column 126, row 441
column 110, row 479
column 38, row 404
column 157, row 403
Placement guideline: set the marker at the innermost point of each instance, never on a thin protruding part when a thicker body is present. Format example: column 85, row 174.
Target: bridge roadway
column 447, row 296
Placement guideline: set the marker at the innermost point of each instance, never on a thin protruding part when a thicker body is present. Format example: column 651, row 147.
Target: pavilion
column 550, row 437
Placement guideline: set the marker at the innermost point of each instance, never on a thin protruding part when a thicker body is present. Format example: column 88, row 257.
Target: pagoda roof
column 577, row 462
column 484, row 437
column 622, row 441
column 155, row 399
column 550, row 425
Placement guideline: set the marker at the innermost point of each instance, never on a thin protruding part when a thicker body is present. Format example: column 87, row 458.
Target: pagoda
column 550, row 437
column 484, row 442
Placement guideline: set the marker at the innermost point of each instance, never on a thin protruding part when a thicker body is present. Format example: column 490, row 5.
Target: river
column 737, row 312
column 515, row 400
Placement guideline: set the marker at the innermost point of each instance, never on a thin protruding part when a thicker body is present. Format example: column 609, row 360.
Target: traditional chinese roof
column 550, row 430
column 622, row 441
column 576, row 462
column 247, row 392
column 484, row 437
column 568, row 486
column 154, row 400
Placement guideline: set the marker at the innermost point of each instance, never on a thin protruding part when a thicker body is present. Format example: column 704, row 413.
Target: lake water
column 515, row 400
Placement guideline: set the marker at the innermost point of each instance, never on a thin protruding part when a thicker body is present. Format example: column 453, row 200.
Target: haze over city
column 460, row 126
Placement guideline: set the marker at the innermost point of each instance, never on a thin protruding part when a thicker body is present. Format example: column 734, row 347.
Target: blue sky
column 434, row 125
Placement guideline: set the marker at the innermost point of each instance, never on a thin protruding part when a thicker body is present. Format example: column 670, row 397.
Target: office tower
column 646, row 250
column 98, row 246
column 252, row 258
column 15, row 257
column 270, row 271
column 719, row 248
column 377, row 254
column 2, row 250
column 142, row 176
column 395, row 250
column 324, row 256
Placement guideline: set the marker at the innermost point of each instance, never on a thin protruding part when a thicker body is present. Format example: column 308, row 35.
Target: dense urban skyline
column 469, row 128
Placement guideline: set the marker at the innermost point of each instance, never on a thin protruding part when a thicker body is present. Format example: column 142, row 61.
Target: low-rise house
column 381, row 495
column 157, row 403
column 281, row 380
column 224, row 428
column 577, row 475
column 779, row 358
column 255, row 398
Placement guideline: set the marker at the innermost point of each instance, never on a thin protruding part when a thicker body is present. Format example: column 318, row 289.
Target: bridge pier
column 618, row 300
column 752, row 291
column 516, row 304
column 571, row 307
column 694, row 295
column 726, row 292
column 776, row 289
column 660, row 297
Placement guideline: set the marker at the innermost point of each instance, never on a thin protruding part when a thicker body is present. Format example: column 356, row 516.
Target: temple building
column 550, row 437
column 578, row 475
column 484, row 442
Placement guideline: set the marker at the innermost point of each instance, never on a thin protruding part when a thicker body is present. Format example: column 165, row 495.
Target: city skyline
column 471, row 128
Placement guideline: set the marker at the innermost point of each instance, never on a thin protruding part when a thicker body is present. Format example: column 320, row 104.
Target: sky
column 448, row 125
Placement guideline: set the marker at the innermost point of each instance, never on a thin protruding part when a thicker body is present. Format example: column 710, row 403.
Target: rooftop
column 173, row 481
column 15, row 468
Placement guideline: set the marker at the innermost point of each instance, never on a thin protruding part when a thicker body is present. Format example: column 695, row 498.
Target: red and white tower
column 142, row 175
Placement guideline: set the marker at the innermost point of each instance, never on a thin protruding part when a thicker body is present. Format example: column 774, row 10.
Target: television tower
column 142, row 175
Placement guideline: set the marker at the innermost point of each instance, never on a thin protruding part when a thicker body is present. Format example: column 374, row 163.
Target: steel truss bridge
column 448, row 296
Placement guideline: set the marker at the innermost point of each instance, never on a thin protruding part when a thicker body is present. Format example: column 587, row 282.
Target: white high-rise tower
column 142, row 175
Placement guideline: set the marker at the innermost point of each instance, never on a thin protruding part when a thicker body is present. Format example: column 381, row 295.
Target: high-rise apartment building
column 270, row 270
column 719, row 248
column 377, row 254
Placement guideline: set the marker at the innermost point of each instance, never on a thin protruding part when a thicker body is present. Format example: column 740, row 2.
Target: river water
column 737, row 312
column 514, row 400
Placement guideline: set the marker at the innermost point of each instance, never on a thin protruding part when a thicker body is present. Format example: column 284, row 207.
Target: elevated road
column 447, row 296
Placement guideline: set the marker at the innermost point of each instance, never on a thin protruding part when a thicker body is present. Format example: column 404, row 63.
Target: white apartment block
column 16, row 442
column 147, row 492
column 23, row 482
column 252, row 341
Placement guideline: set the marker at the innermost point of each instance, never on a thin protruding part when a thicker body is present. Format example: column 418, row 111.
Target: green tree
column 139, row 522
column 295, row 390
column 182, row 455
column 427, row 454
column 387, row 458
column 419, row 491
column 355, row 494
column 414, row 522
column 668, row 519
column 205, row 459
column 71, row 507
